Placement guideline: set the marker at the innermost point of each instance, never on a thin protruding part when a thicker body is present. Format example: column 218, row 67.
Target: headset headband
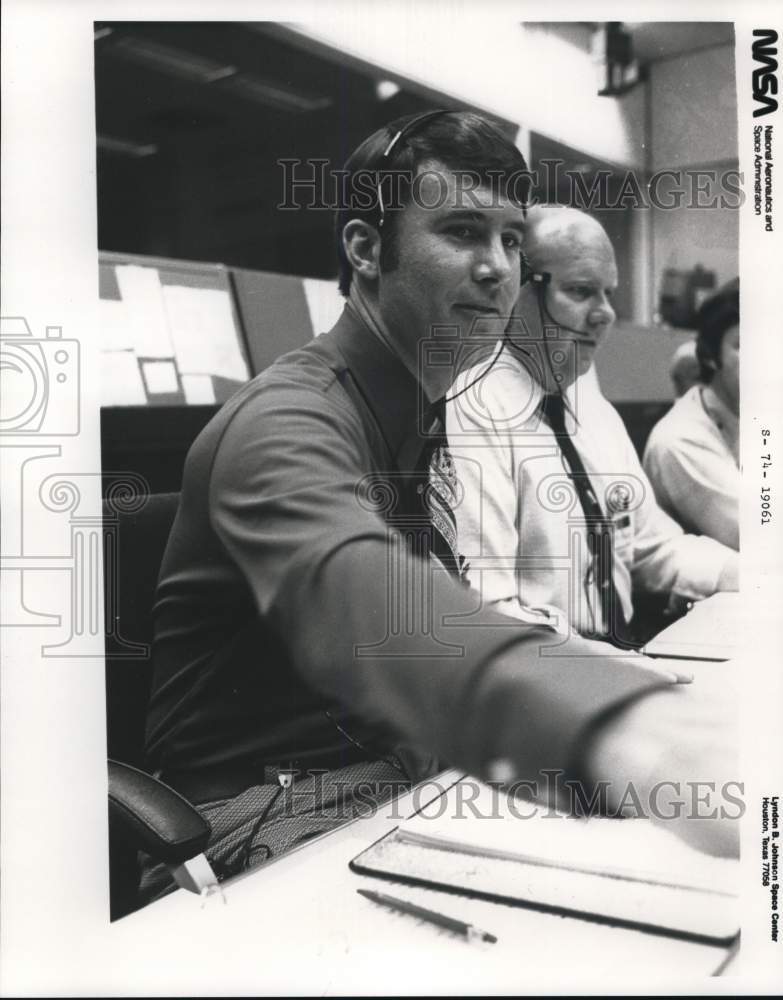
column 383, row 163
column 527, row 272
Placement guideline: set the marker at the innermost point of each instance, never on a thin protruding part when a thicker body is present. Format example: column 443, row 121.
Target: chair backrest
column 136, row 530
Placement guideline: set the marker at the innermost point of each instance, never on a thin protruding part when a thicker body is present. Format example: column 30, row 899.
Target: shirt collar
column 392, row 394
column 724, row 419
column 718, row 410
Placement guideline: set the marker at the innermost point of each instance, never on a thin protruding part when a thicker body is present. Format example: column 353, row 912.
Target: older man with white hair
column 557, row 518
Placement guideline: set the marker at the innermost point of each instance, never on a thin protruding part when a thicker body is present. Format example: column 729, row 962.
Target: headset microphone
column 539, row 281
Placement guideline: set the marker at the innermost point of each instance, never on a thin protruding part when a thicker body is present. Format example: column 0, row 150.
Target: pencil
column 468, row 931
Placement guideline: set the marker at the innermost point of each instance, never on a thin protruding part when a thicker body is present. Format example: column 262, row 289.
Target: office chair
column 144, row 813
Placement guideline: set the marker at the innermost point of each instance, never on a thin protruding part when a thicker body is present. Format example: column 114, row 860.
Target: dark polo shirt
column 298, row 614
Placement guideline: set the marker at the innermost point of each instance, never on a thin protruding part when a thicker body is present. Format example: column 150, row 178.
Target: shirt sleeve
column 696, row 484
column 665, row 558
column 290, row 504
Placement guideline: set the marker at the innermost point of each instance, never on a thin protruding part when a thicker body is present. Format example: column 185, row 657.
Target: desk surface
column 298, row 925
column 709, row 631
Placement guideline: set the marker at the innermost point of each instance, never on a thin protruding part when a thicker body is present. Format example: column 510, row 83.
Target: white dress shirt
column 520, row 523
column 692, row 459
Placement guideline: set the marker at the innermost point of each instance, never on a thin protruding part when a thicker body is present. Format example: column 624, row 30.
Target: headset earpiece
column 529, row 274
column 525, row 270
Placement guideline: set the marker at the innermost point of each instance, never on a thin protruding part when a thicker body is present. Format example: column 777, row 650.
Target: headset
column 386, row 156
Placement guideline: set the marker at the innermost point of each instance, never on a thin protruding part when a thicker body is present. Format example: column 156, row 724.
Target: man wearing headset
column 692, row 455
column 305, row 619
column 558, row 518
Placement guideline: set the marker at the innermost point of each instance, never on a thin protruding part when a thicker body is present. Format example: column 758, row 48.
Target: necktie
column 599, row 531
column 440, row 496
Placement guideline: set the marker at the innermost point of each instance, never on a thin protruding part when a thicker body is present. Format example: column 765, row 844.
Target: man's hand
column 679, row 749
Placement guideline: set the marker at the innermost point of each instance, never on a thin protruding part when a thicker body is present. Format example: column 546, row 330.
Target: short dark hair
column 717, row 315
column 460, row 140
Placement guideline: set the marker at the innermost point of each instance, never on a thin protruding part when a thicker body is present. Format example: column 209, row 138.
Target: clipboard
column 703, row 911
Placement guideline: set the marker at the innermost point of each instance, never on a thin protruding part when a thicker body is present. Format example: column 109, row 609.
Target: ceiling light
column 175, row 62
column 200, row 69
column 256, row 89
column 386, row 89
column 125, row 147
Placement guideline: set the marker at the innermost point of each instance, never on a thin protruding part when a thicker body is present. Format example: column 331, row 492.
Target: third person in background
column 692, row 456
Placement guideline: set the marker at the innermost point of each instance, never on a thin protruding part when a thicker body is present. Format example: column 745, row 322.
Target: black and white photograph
column 390, row 547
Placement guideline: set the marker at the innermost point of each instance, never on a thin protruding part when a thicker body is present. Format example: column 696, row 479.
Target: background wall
column 193, row 117
column 545, row 76
column 693, row 125
column 693, row 101
column 682, row 116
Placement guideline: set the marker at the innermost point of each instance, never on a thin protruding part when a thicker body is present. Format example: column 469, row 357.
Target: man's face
column 579, row 297
column 576, row 301
column 457, row 262
column 727, row 375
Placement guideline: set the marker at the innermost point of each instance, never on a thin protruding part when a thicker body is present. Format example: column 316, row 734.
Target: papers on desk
column 626, row 871
column 709, row 631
